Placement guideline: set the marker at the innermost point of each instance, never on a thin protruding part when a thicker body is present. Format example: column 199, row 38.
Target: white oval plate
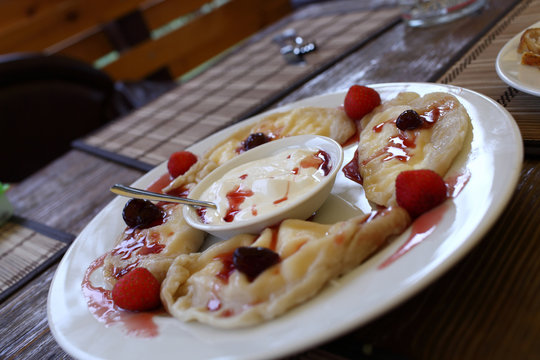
column 493, row 160
column 511, row 71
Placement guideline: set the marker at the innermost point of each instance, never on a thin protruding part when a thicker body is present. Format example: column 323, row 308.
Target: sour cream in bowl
column 282, row 179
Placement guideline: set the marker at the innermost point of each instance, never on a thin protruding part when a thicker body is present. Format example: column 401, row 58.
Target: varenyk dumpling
column 207, row 288
column 384, row 150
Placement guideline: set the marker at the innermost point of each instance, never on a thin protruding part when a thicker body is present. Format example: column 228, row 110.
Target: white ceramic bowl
column 301, row 207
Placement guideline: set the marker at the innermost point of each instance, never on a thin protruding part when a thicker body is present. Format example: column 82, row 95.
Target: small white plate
column 493, row 158
column 511, row 71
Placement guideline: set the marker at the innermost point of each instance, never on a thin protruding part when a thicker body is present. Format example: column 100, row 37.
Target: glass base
column 434, row 12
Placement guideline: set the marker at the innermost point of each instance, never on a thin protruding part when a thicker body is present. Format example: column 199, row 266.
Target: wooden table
column 487, row 306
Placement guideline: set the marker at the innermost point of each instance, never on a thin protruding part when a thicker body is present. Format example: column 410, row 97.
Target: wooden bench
column 134, row 39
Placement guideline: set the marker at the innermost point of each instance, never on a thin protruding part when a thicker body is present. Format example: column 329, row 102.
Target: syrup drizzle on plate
column 424, row 225
column 101, row 306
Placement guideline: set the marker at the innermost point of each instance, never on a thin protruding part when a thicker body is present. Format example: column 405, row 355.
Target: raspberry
column 419, row 191
column 180, row 162
column 138, row 290
column 360, row 100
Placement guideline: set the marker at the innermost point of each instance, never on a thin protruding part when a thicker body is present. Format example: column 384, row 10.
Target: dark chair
column 45, row 103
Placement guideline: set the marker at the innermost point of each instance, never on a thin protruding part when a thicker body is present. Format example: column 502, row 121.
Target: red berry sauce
column 352, row 171
column 421, row 228
column 319, row 160
column 426, row 223
column 159, row 184
column 285, row 197
column 102, row 308
column 235, row 198
column 399, row 146
column 228, row 266
column 138, row 242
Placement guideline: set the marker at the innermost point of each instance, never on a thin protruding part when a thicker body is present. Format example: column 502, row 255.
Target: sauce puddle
column 101, row 306
column 424, row 225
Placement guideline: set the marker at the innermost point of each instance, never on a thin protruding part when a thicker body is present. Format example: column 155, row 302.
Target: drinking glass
column 423, row 13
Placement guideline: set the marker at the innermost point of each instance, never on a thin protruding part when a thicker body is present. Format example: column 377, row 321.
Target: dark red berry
column 254, row 140
column 142, row 214
column 254, row 260
column 409, row 120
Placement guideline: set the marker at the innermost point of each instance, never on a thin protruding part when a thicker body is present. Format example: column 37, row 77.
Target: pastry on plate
column 529, row 47
column 433, row 131
column 329, row 122
column 249, row 279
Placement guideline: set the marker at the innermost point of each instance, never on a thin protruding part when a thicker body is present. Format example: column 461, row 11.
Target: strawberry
column 418, row 191
column 180, row 162
column 138, row 290
column 360, row 100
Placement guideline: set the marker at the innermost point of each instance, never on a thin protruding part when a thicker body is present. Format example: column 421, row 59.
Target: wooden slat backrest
column 163, row 12
column 81, row 29
column 58, row 23
column 227, row 30
column 90, row 47
column 16, row 11
column 198, row 41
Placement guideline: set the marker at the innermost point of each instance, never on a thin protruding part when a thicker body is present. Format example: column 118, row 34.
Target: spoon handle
column 149, row 195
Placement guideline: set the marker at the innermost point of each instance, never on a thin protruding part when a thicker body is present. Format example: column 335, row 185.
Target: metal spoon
column 149, row 195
